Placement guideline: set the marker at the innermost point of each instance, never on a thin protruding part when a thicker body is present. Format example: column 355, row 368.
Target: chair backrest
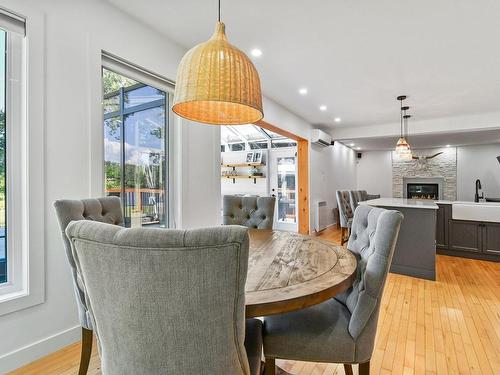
column 373, row 237
column 356, row 196
column 251, row 212
column 106, row 210
column 165, row 301
column 345, row 209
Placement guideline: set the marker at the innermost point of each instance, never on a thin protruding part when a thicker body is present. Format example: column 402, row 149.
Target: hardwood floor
column 450, row 326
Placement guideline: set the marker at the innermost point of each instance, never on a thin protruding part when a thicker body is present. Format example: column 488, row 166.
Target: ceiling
column 422, row 141
column 355, row 57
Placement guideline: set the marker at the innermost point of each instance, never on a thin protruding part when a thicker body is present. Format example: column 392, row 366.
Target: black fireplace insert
column 422, row 191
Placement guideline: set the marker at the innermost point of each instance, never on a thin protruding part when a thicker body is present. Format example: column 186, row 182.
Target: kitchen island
column 415, row 252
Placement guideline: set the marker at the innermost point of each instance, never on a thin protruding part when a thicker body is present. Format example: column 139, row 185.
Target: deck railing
column 149, row 203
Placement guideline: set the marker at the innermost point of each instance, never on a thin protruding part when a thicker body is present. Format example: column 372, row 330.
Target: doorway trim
column 302, row 174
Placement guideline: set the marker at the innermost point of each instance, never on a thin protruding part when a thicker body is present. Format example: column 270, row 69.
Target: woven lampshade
column 218, row 84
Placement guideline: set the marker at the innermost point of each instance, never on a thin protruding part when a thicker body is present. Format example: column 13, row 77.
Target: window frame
column 26, row 286
column 121, row 66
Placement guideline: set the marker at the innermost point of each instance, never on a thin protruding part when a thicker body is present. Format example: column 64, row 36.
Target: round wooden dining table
column 289, row 271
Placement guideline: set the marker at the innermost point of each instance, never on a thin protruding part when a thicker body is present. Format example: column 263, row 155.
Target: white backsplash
column 442, row 166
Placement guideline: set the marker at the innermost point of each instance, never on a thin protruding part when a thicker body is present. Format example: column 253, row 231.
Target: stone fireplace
column 418, row 177
column 423, row 188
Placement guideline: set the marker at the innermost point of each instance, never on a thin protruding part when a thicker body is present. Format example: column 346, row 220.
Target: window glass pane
column 285, row 142
column 237, row 147
column 286, row 189
column 142, row 95
column 3, row 150
column 112, row 156
column 250, row 132
column 112, row 82
column 111, row 104
column 257, row 145
column 145, row 167
column 228, row 135
column 136, row 149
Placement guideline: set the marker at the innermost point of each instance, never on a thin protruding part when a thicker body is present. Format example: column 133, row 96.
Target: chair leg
column 364, row 368
column 270, row 366
column 86, row 351
column 347, row 369
column 342, row 236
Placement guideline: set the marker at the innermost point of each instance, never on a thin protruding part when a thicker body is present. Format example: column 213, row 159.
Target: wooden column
column 303, row 185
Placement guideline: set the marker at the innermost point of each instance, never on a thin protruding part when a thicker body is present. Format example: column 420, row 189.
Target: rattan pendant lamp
column 218, row 84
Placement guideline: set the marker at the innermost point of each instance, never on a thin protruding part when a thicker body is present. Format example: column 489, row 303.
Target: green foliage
column 134, row 176
column 112, row 81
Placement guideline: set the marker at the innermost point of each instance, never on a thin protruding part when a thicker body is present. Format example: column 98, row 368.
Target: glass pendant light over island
column 403, row 150
column 218, row 84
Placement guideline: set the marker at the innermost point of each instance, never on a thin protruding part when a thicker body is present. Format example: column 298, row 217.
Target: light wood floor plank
column 450, row 326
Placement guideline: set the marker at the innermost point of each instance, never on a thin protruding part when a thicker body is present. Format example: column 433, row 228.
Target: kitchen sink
column 487, row 211
column 492, row 199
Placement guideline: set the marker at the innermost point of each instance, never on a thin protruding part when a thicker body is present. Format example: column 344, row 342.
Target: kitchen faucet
column 478, row 187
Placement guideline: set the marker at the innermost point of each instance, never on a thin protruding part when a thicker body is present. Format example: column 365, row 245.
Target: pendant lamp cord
column 219, row 12
column 401, row 115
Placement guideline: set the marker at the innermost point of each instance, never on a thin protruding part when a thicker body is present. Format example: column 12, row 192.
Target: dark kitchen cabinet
column 491, row 238
column 442, row 217
column 465, row 236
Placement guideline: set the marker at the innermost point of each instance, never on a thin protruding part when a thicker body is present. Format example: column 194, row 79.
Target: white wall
column 475, row 162
column 332, row 168
column 374, row 173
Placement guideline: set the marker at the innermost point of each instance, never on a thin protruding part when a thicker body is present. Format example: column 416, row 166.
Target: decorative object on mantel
column 402, row 147
column 218, row 84
column 422, row 160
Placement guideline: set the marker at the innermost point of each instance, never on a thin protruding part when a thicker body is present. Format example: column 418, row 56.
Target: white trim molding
column 30, row 288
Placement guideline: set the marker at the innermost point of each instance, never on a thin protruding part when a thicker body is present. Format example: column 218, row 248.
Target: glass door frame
column 274, row 155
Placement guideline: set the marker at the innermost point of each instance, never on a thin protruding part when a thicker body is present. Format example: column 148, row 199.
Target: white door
column 282, row 185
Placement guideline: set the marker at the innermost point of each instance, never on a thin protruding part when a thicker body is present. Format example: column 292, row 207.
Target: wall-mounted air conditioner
column 319, row 137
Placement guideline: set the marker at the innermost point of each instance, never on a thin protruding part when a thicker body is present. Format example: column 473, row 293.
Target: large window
column 3, row 159
column 135, row 148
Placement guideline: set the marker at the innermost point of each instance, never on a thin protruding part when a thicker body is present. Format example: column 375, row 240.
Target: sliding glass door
column 135, row 148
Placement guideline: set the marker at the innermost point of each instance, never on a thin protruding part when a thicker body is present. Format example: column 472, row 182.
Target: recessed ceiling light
column 256, row 52
column 322, row 108
column 351, row 144
column 303, row 91
column 358, row 148
column 337, row 119
column 448, row 145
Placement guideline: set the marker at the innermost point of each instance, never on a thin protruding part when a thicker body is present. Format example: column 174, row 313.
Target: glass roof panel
column 250, row 132
column 228, row 135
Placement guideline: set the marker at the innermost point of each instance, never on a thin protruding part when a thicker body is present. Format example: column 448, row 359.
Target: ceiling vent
column 319, row 137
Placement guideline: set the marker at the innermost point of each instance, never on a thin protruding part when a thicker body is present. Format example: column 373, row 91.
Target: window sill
column 14, row 301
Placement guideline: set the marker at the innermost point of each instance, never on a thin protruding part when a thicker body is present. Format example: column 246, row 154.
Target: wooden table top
column 289, row 271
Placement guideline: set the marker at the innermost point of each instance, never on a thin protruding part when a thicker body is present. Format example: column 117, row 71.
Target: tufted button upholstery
column 251, row 212
column 345, row 210
column 106, row 210
column 373, row 238
column 356, row 196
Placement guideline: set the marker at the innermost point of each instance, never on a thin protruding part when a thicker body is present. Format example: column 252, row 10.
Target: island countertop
column 401, row 202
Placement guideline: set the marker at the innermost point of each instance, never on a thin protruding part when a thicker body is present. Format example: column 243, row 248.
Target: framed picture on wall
column 249, row 157
column 257, row 157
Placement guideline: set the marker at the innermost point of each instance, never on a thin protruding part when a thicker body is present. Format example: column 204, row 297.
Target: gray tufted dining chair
column 251, row 212
column 342, row 329
column 167, row 301
column 346, row 213
column 356, row 196
column 106, row 210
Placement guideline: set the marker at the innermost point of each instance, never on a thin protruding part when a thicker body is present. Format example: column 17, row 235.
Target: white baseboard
column 325, row 228
column 38, row 349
